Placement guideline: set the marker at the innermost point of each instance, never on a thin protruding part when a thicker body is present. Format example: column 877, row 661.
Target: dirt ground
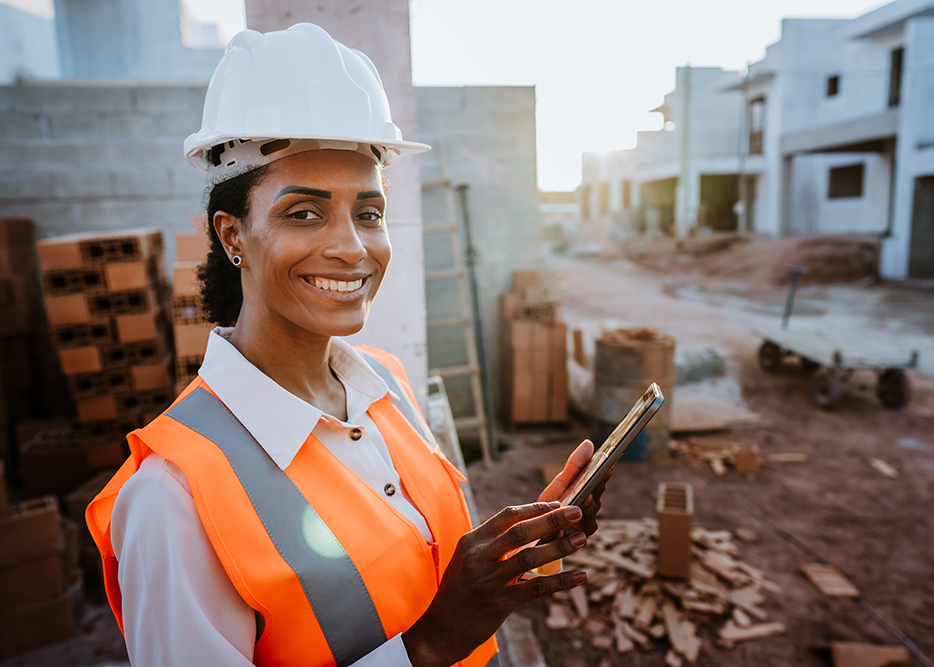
column 878, row 530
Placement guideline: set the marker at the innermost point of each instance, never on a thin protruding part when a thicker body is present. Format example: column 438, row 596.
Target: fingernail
column 579, row 577
column 578, row 539
column 572, row 513
column 554, row 504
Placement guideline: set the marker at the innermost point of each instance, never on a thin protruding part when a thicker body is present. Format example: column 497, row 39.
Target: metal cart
column 832, row 361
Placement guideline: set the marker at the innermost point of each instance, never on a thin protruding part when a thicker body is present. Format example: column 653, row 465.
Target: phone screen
column 651, row 397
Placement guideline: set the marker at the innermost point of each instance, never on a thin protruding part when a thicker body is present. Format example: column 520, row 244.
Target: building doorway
column 718, row 196
column 921, row 252
column 657, row 206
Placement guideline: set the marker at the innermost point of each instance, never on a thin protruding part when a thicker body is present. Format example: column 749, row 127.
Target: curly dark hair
column 221, row 292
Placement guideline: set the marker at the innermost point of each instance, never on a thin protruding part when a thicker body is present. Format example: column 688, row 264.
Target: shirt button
column 389, row 489
column 356, row 434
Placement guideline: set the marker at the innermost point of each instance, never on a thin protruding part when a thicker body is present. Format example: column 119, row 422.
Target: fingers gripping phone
column 590, row 478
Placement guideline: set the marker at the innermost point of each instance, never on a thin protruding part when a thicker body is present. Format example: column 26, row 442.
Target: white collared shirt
column 179, row 605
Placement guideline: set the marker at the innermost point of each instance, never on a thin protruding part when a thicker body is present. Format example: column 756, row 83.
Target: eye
column 370, row 215
column 304, row 214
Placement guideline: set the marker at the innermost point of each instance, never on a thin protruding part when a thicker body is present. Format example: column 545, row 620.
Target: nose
column 343, row 241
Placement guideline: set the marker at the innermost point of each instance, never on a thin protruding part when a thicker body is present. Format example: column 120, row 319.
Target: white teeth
column 338, row 286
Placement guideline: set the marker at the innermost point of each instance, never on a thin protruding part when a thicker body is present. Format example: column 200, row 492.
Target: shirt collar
column 280, row 421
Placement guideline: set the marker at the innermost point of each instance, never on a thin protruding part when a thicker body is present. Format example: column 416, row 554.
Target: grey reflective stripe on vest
column 494, row 661
column 408, row 410
column 331, row 582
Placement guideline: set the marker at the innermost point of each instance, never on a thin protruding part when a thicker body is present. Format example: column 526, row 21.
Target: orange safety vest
column 331, row 569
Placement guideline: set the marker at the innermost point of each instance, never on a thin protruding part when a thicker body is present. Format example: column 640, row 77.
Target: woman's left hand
column 576, row 462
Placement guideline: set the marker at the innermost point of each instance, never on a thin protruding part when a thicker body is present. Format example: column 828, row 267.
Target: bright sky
column 598, row 65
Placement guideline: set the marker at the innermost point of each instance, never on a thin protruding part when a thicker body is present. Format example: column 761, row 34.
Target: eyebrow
column 298, row 189
column 323, row 194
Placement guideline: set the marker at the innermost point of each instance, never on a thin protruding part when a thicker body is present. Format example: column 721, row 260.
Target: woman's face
column 316, row 247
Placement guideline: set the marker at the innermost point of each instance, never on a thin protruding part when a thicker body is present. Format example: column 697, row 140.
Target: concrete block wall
column 483, row 137
column 98, row 155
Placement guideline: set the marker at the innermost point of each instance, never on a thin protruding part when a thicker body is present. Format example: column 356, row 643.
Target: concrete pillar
column 913, row 131
column 379, row 28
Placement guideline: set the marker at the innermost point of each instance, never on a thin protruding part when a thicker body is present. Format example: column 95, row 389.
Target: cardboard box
column 81, row 360
column 97, row 409
column 139, row 327
column 31, row 530
column 192, row 247
column 152, row 376
column 35, row 625
column 191, row 340
column 675, row 514
column 67, row 309
column 121, row 276
column 25, row 583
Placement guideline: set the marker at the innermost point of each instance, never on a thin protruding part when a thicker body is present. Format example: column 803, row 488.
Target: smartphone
column 606, row 457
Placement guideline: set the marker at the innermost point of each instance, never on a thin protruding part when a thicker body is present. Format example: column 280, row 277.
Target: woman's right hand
column 481, row 587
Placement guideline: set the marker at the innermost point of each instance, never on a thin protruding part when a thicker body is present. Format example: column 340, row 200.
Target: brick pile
column 40, row 581
column 105, row 299
column 191, row 328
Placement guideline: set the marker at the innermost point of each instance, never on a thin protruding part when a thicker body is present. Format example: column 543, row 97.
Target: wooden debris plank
column 724, row 566
column 579, row 600
column 884, row 468
column 657, row 631
column 787, row 457
column 741, row 618
column 730, row 634
column 602, row 642
column 623, row 643
column 701, row 607
column 638, row 637
column 830, row 581
column 681, row 633
column 585, row 559
column 629, row 565
column 747, row 599
column 672, row 659
column 716, row 464
column 705, row 581
column 594, row 626
column 559, row 617
column 646, row 613
column 852, row 654
column 626, row 603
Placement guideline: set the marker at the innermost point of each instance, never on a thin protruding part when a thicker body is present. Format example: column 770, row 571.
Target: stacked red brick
column 191, row 328
column 533, row 354
column 105, row 297
column 39, row 577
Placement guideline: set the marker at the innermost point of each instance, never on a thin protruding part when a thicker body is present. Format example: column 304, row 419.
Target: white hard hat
column 288, row 91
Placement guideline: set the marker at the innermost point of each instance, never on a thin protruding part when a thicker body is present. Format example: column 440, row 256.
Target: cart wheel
column 826, row 388
column 893, row 388
column 809, row 365
column 770, row 356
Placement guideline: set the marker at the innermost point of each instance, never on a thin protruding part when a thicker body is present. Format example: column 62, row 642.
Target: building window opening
column 895, row 77
column 846, row 182
column 627, row 194
column 833, row 85
column 756, row 125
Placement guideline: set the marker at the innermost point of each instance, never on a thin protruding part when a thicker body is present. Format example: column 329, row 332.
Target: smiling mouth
column 334, row 285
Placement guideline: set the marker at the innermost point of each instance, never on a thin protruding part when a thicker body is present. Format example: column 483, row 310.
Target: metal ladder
column 465, row 319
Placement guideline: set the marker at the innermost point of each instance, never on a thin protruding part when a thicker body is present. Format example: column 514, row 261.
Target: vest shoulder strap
column 330, row 580
column 408, row 409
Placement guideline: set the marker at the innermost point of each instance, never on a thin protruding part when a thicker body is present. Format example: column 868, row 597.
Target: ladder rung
column 441, row 183
column 444, row 273
column 437, row 229
column 469, row 422
column 458, row 371
column 450, row 322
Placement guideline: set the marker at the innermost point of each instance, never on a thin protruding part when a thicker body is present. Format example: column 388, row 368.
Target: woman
column 291, row 507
